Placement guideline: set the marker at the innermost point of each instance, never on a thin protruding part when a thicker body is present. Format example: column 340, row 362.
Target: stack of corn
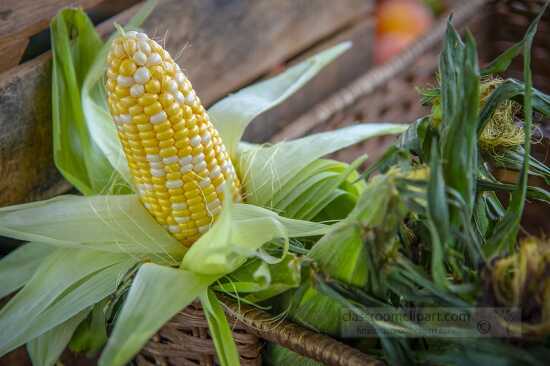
column 176, row 157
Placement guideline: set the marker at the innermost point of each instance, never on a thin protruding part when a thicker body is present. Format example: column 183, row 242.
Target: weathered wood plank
column 230, row 44
column 24, row 18
column 11, row 51
column 26, row 166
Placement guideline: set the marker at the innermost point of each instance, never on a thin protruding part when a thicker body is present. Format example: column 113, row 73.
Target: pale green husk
column 257, row 280
column 239, row 232
column 226, row 350
column 118, row 224
column 265, row 170
column 232, row 115
column 67, row 282
column 46, row 349
column 19, row 266
column 157, row 294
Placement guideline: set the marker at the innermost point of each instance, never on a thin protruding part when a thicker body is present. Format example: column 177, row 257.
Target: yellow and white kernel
column 175, row 154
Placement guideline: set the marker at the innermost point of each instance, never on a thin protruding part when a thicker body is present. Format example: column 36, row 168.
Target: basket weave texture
column 388, row 93
column 185, row 341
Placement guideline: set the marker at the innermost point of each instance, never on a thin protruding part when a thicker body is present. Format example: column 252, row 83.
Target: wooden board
column 27, row 17
column 225, row 46
column 22, row 19
column 26, row 164
column 12, row 51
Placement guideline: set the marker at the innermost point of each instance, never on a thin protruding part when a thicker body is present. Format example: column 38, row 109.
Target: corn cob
column 175, row 155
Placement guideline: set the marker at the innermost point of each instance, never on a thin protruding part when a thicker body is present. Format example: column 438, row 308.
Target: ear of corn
column 177, row 159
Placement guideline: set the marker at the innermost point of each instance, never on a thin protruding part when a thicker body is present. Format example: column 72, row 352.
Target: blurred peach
column 399, row 23
column 403, row 16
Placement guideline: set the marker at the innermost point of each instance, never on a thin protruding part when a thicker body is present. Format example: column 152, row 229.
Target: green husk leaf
column 305, row 200
column 100, row 123
column 460, row 104
column 481, row 217
column 76, row 155
column 266, row 170
column 513, row 159
column 310, row 175
column 91, row 290
column 19, row 266
column 503, row 61
column 317, row 197
column 347, row 184
column 315, row 310
column 379, row 212
column 253, row 276
column 259, row 281
column 376, row 201
column 221, row 334
column 342, row 203
column 232, row 114
column 295, row 197
column 94, row 103
column 421, row 280
column 59, row 289
column 438, row 214
column 437, row 197
column 238, row 233
column 341, row 253
column 506, row 230
column 389, row 158
column 116, row 223
column 414, row 137
column 80, row 296
column 148, row 307
column 535, row 193
column 46, row 349
column 91, row 334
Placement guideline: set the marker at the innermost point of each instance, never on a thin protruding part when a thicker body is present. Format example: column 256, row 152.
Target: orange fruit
column 409, row 17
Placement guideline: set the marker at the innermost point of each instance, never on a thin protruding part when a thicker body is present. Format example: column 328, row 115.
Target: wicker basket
column 385, row 94
column 185, row 340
